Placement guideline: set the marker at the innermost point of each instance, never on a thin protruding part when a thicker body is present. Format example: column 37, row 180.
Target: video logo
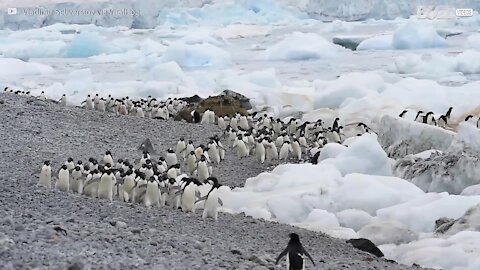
column 12, row 11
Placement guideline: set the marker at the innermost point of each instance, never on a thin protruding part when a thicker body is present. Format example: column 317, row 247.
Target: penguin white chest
column 63, row 180
column 46, row 176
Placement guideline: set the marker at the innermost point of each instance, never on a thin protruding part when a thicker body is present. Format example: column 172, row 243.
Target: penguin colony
column 183, row 178
column 442, row 121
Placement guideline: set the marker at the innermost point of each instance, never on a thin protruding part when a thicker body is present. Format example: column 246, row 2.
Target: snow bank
column 26, row 49
column 301, row 46
column 401, row 137
column 412, row 35
column 86, row 44
column 11, row 68
column 456, row 252
column 363, row 156
column 473, row 41
column 196, row 55
column 453, row 170
column 467, row 62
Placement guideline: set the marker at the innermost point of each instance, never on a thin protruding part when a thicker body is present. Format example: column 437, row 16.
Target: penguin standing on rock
column 46, row 175
column 295, row 254
column 63, row 179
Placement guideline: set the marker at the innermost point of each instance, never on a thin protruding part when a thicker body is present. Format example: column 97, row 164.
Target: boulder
column 365, row 245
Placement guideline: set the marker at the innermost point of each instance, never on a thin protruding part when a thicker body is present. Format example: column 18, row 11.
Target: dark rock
column 366, row 245
column 443, row 224
column 113, row 223
column 136, row 230
column 19, row 228
column 147, row 146
column 192, row 99
column 76, row 265
column 244, row 101
column 2, row 101
column 236, row 252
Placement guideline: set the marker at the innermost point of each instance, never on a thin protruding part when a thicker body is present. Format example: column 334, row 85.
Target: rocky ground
column 47, row 229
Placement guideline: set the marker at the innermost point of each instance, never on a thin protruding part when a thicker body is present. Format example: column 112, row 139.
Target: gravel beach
column 48, row 229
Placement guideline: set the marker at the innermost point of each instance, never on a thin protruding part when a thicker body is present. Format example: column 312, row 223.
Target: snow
column 243, row 31
column 196, row 55
column 466, row 62
column 353, row 218
column 473, row 41
column 10, row 67
column 301, row 46
column 387, row 232
column 382, row 42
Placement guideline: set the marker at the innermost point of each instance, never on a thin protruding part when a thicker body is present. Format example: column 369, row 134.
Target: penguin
column 74, row 176
column 171, row 157
column 139, row 112
column 335, row 123
column 443, row 121
column 418, row 117
column 295, row 254
column 234, row 123
column 105, row 187
column 189, row 194
column 221, row 149
column 241, row 148
column 296, row 150
column 90, row 186
column 179, row 149
column 191, row 162
column 285, row 151
column 107, row 158
column 101, row 106
column 88, row 103
column 69, row 163
column 196, row 118
column 260, row 151
column 172, row 197
column 63, row 179
column 140, row 188
column 212, row 200
column 46, row 175
column 470, row 119
column 128, row 185
column 173, row 171
column 63, row 100
column 402, row 114
column 271, row 150
column 213, row 152
column 42, row 96
column 221, row 123
column 447, row 115
column 152, row 194
column 202, row 169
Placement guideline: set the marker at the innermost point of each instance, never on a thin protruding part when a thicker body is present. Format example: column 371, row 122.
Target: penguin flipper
column 220, row 202
column 178, row 193
column 284, row 252
column 201, row 199
column 308, row 255
column 197, row 194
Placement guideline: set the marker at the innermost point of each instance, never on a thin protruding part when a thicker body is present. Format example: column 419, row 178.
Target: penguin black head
column 77, row 168
column 79, row 162
column 108, row 165
column 152, row 179
column 162, row 159
column 120, row 161
column 171, row 181
column 182, row 139
column 91, row 159
column 64, row 167
column 86, row 168
column 144, row 165
column 47, row 162
column 170, row 150
column 126, row 162
column 294, row 238
column 192, row 153
column 70, row 159
column 190, row 142
column 203, row 158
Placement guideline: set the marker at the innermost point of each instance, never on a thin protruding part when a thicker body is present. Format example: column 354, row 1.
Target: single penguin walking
column 63, row 179
column 295, row 254
column 46, row 175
